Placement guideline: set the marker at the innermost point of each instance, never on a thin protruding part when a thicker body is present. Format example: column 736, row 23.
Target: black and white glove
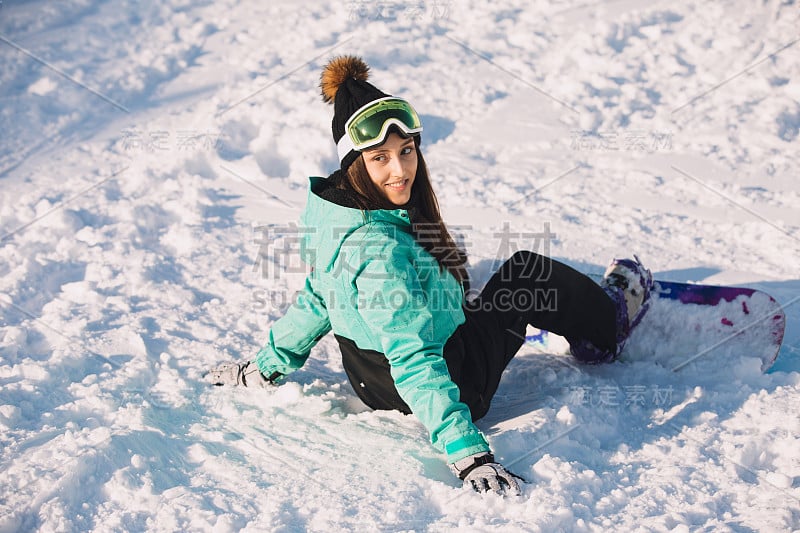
column 483, row 474
column 245, row 374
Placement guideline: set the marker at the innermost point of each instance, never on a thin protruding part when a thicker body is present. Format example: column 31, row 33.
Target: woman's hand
column 483, row 474
column 245, row 374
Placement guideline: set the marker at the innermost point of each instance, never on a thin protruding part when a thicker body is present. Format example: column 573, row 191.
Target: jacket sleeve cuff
column 266, row 362
column 466, row 446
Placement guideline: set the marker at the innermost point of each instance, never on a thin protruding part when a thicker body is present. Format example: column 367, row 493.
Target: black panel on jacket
column 370, row 377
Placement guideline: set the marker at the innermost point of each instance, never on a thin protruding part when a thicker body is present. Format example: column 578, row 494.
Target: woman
column 388, row 280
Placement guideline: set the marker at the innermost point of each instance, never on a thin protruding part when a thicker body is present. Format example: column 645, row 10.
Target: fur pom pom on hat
column 344, row 84
column 337, row 71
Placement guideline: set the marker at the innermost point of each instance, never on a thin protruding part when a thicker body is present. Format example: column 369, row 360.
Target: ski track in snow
column 147, row 144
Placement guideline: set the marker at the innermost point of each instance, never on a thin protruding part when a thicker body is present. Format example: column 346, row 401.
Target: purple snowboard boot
column 628, row 283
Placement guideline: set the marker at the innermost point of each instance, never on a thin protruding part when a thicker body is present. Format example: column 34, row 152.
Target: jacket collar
column 321, row 190
column 325, row 224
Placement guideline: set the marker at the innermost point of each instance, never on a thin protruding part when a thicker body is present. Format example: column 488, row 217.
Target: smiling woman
column 388, row 280
column 392, row 167
column 386, row 174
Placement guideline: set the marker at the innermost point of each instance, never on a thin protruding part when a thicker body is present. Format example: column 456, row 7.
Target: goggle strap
column 344, row 146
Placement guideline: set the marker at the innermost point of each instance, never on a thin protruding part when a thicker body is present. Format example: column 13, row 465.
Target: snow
column 147, row 144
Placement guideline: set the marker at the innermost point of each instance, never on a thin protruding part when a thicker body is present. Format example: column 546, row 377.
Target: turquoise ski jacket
column 380, row 291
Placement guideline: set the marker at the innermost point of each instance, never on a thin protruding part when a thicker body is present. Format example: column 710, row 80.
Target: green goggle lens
column 369, row 126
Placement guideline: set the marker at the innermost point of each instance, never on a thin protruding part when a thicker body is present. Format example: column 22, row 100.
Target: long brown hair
column 427, row 225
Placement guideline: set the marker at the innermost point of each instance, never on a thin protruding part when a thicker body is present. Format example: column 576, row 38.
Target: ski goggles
column 368, row 126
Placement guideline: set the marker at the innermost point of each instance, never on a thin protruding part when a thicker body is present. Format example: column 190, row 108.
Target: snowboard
column 695, row 325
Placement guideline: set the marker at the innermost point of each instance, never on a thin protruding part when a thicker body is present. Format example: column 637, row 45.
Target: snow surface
column 147, row 147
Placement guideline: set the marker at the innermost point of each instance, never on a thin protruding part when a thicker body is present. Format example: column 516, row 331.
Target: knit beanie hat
column 344, row 84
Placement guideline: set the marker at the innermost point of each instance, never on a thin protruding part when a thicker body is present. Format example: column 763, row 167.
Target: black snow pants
column 527, row 289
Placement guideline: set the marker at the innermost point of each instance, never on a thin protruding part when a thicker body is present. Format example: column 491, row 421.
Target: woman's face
column 392, row 167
